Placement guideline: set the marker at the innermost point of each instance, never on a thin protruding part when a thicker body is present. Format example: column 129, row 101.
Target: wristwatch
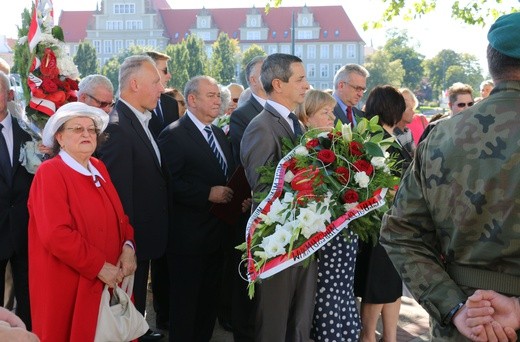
column 447, row 319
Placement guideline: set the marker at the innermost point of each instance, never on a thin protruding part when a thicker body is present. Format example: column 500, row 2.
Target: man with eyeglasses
column 460, row 97
column 350, row 83
column 167, row 110
column 96, row 91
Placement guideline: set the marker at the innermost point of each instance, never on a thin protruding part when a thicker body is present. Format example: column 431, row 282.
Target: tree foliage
column 197, row 58
column 399, row 47
column 224, row 59
column 384, row 70
column 86, row 59
column 22, row 55
column 253, row 51
column 178, row 65
column 448, row 67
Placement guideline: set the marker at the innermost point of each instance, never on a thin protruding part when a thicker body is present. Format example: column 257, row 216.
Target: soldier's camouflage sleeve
column 459, row 202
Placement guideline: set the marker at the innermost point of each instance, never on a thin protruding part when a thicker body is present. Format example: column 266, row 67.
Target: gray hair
column 225, row 98
column 130, row 66
column 192, row 86
column 485, row 83
column 91, row 82
column 277, row 66
column 251, row 65
column 343, row 74
column 4, row 79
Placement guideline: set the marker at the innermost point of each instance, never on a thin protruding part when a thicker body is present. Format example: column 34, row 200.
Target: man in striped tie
column 199, row 161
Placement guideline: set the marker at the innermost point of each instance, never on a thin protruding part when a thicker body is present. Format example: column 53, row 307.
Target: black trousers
column 194, row 288
column 161, row 289
column 20, row 269
column 141, row 284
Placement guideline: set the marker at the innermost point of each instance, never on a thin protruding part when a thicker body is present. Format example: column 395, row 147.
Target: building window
column 134, row 25
column 324, row 85
column 253, row 35
column 335, row 68
column 204, row 35
column 273, row 49
column 298, row 51
column 152, row 42
column 351, row 50
column 203, row 22
column 324, row 70
column 324, row 51
column 304, row 34
column 337, row 51
column 286, row 49
column 118, row 46
column 97, row 45
column 129, row 43
column 107, row 46
column 311, row 51
column 311, row 70
column 141, row 42
column 124, row 8
column 305, row 21
column 253, row 22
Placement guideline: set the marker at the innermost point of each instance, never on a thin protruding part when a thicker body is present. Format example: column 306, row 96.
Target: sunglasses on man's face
column 464, row 104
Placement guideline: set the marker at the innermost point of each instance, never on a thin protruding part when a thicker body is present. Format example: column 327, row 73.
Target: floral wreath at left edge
column 51, row 77
column 329, row 182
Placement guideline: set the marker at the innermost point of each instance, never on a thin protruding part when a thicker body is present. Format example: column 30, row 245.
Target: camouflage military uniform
column 458, row 205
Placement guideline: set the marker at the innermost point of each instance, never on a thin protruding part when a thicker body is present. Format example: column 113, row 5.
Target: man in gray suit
column 350, row 83
column 286, row 299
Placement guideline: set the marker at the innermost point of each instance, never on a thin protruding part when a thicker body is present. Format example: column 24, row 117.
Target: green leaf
column 57, row 32
column 374, row 149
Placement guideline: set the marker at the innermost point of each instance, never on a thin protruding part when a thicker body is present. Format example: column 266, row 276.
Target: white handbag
column 118, row 319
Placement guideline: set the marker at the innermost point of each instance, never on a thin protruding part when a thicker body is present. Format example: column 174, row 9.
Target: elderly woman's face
column 78, row 137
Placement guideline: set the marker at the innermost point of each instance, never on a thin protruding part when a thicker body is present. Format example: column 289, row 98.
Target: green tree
column 384, row 70
column 398, row 46
column 253, row 51
column 86, row 59
column 224, row 59
column 197, row 58
column 111, row 68
column 178, row 64
column 448, row 67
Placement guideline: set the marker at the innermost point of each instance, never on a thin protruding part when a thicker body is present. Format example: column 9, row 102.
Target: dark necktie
column 296, row 124
column 216, row 152
column 5, row 159
column 350, row 117
column 158, row 112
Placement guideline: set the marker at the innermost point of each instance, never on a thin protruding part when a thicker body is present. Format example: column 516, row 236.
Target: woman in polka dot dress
column 336, row 316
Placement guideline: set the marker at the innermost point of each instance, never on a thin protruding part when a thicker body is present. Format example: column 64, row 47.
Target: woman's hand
column 111, row 274
column 127, row 261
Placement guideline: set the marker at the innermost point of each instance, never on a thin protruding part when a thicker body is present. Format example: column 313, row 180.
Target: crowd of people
column 129, row 188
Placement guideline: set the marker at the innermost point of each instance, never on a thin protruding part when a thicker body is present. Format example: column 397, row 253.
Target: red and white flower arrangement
column 325, row 184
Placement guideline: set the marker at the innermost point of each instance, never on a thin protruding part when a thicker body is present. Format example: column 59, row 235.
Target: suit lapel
column 281, row 120
column 139, row 130
column 340, row 115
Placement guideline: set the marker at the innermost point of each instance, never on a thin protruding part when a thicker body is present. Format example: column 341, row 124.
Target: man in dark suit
column 198, row 157
column 167, row 110
column 15, row 182
column 134, row 163
column 350, row 83
column 286, row 299
column 242, row 308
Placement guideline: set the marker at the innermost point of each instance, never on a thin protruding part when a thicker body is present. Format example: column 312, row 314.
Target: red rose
column 327, row 156
column 49, row 65
column 49, row 86
column 73, row 84
column 312, row 143
column 343, row 174
column 306, row 179
column 350, row 196
column 363, row 165
column 356, row 148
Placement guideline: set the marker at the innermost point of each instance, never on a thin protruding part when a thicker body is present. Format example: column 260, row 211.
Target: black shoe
column 151, row 336
column 225, row 324
column 162, row 325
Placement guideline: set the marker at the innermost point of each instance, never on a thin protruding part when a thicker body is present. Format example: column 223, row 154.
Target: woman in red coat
column 79, row 236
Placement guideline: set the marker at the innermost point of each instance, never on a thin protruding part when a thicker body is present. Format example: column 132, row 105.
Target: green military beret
column 504, row 35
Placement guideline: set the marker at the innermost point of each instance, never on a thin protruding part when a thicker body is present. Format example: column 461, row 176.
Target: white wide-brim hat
column 69, row 111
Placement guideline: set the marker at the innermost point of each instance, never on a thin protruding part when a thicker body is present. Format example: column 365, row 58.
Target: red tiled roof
column 74, row 24
column 331, row 19
column 334, row 22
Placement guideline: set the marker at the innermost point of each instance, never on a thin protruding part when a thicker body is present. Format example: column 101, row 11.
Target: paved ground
column 413, row 323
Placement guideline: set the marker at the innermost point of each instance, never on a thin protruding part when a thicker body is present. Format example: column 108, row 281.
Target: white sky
column 431, row 33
